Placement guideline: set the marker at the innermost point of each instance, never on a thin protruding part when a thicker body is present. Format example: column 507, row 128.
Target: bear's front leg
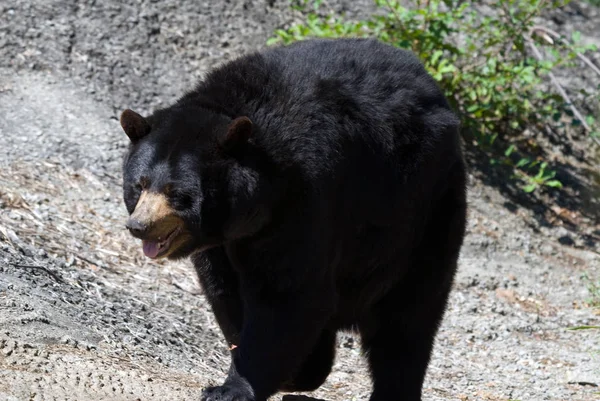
column 286, row 308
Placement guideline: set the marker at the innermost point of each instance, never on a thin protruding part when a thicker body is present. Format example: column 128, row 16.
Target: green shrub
column 490, row 67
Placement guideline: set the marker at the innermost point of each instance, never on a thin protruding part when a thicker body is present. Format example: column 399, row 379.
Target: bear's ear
column 134, row 125
column 238, row 133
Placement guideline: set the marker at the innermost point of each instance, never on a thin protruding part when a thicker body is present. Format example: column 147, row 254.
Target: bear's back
column 324, row 96
column 356, row 118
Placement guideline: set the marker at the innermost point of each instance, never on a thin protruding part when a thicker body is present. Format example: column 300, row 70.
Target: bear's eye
column 180, row 199
column 168, row 189
column 144, row 183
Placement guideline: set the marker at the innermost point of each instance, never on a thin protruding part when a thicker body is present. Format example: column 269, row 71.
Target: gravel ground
column 84, row 316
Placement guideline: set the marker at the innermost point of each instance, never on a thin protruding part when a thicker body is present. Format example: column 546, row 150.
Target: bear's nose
column 136, row 227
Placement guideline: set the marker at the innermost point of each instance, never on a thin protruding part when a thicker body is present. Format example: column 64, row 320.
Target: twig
column 582, row 383
column 556, row 35
column 179, row 286
column 562, row 91
column 396, row 15
column 508, row 48
column 52, row 274
column 474, row 66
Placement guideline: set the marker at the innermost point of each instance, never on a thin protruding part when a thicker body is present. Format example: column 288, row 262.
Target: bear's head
column 192, row 180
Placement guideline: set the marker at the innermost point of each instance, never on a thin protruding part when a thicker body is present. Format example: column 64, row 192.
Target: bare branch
column 556, row 35
column 52, row 274
column 562, row 92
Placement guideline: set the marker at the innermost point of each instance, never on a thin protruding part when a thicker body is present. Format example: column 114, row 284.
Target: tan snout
column 153, row 217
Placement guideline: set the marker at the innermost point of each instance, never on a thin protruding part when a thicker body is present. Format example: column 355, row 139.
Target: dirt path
column 84, row 316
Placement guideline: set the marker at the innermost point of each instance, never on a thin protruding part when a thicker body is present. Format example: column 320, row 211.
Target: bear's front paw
column 226, row 393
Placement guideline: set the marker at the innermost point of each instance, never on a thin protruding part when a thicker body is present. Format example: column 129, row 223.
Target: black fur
column 343, row 209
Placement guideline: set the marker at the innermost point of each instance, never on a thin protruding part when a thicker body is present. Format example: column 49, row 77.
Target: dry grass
column 73, row 215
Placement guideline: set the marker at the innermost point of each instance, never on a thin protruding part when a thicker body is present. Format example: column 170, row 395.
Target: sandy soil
column 84, row 316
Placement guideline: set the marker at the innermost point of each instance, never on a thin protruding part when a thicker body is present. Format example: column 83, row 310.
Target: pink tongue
column 150, row 248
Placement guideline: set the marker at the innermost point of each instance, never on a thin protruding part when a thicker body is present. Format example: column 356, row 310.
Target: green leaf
column 508, row 151
column 590, row 120
column 530, row 188
column 272, row 41
column 472, row 108
column 493, row 138
column 522, row 162
column 436, row 56
column 553, row 184
column 583, row 327
column 576, row 36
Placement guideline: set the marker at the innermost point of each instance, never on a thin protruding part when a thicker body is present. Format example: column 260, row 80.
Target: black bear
column 316, row 187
